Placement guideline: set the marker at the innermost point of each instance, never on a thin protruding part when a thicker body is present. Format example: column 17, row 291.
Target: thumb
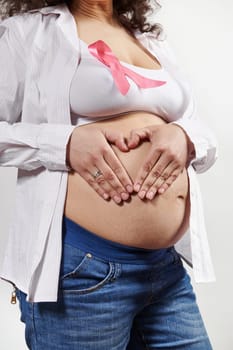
column 137, row 136
column 117, row 139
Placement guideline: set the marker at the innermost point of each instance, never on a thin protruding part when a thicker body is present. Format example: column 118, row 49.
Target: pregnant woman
column 100, row 122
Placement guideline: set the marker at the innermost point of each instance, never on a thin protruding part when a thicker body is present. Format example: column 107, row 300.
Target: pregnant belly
column 140, row 223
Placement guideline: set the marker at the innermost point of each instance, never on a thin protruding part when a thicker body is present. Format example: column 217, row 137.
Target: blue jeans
column 109, row 305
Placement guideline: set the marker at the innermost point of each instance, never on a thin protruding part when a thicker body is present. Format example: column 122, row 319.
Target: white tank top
column 95, row 96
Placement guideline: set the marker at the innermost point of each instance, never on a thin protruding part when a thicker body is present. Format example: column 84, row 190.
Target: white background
column 200, row 33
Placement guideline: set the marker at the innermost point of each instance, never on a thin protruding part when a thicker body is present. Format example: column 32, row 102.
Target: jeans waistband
column 88, row 241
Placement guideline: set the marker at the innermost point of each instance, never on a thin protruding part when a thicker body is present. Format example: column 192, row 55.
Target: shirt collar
column 67, row 24
column 65, row 21
column 56, row 9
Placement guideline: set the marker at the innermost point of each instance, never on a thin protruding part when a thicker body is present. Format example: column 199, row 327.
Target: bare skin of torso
column 140, row 223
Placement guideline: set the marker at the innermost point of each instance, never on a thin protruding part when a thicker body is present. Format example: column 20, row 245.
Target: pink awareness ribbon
column 105, row 55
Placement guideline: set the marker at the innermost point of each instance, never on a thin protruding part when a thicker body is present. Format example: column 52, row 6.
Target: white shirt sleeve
column 203, row 139
column 24, row 145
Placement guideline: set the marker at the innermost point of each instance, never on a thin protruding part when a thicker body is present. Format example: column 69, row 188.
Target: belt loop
column 116, row 271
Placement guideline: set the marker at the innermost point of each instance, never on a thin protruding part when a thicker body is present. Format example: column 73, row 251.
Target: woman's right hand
column 89, row 151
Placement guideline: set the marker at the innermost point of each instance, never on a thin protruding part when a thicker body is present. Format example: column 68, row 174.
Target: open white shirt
column 35, row 127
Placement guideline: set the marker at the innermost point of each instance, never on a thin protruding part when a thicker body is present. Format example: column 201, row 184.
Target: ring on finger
column 96, row 174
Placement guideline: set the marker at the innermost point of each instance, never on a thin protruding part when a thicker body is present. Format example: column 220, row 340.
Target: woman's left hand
column 167, row 157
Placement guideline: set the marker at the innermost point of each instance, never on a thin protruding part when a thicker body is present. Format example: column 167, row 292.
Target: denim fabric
column 104, row 305
column 78, row 236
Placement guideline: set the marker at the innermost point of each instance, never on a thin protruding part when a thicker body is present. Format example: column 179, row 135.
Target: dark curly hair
column 132, row 14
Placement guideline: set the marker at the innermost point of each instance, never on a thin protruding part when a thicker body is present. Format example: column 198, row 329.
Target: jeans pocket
column 81, row 272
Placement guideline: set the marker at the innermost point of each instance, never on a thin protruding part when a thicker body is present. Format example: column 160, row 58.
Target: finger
column 102, row 192
column 110, row 183
column 149, row 187
column 147, row 166
column 169, row 181
column 117, row 176
column 102, row 187
column 173, row 176
column 162, row 182
column 136, row 136
column 117, row 139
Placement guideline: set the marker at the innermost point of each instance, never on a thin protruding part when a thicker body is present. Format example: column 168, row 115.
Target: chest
column 54, row 64
column 124, row 46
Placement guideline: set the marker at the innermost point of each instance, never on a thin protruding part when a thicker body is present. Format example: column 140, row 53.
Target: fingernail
column 137, row 187
column 117, row 199
column 106, row 196
column 124, row 196
column 150, row 195
column 129, row 188
column 142, row 194
column 161, row 190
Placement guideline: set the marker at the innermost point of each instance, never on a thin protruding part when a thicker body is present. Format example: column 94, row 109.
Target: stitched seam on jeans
column 116, row 271
column 91, row 289
column 80, row 266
